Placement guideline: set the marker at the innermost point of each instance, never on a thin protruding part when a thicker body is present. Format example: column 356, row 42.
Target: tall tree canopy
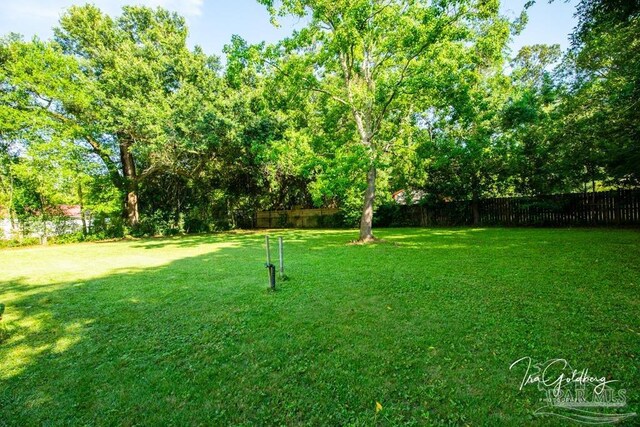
column 117, row 114
column 603, row 107
column 380, row 58
column 128, row 89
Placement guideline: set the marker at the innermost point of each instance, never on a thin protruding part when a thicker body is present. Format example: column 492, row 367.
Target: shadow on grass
column 123, row 348
column 428, row 328
column 194, row 240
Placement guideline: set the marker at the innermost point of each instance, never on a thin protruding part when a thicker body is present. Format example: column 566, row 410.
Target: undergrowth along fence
column 608, row 208
column 297, row 218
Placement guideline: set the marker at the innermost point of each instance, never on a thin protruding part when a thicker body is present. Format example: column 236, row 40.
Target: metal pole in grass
column 3, row 330
column 281, row 257
column 266, row 238
column 271, row 268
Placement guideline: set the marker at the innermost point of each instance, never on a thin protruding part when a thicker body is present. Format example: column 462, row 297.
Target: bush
column 156, row 224
column 108, row 227
column 15, row 243
column 350, row 216
column 332, row 221
column 68, row 238
column 220, row 225
column 62, row 239
column 195, row 225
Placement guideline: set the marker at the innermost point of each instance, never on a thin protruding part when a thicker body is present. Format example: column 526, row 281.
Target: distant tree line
column 148, row 136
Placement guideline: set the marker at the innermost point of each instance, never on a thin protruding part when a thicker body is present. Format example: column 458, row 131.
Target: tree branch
column 312, row 86
column 403, row 73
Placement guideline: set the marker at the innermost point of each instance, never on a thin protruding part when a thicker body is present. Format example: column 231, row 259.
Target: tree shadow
column 192, row 240
column 201, row 340
column 78, row 349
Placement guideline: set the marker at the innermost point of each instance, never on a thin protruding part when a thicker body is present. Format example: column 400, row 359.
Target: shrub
column 15, row 243
column 68, row 238
column 332, row 221
column 156, row 224
column 108, row 227
column 195, row 225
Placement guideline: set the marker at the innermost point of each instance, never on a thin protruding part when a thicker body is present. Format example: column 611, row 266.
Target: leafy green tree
column 462, row 149
column 371, row 55
column 603, row 69
column 43, row 178
column 531, row 122
column 7, row 183
column 129, row 89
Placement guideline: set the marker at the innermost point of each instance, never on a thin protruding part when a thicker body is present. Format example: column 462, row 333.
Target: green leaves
column 605, row 61
column 415, row 91
column 126, row 91
column 368, row 66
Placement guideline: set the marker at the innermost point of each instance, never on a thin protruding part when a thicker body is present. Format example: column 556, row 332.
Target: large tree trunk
column 130, row 185
column 131, row 208
column 366, row 221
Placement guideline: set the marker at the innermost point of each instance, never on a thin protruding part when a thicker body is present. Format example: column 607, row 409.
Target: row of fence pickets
column 603, row 208
column 620, row 207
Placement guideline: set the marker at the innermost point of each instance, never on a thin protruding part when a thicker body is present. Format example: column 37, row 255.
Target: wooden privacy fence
column 608, row 208
column 295, row 218
column 621, row 207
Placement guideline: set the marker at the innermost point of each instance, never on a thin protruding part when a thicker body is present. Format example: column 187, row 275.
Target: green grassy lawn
column 182, row 331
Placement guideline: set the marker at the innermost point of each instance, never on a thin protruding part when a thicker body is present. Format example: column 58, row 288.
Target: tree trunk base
column 366, row 241
column 366, row 220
